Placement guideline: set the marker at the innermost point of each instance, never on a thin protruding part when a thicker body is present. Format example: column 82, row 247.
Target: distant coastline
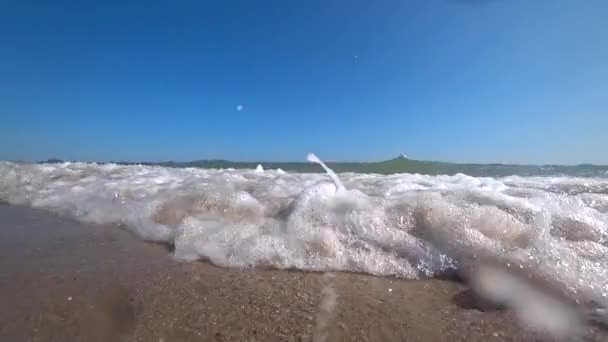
column 400, row 164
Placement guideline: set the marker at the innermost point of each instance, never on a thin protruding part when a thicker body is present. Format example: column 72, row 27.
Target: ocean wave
column 407, row 225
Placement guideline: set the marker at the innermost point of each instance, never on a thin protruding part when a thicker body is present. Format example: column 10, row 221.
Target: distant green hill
column 400, row 164
column 396, row 165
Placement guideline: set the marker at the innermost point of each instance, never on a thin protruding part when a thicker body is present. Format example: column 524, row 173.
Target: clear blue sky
column 457, row 80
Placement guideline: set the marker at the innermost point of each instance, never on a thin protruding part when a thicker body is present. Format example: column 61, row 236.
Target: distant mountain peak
column 53, row 161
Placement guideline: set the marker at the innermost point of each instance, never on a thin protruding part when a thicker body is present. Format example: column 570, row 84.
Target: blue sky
column 456, row 80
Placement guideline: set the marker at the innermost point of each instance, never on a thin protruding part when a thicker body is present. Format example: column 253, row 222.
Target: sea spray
column 327, row 301
column 313, row 159
column 533, row 305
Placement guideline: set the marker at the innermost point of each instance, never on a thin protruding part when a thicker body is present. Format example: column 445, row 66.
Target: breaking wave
column 406, row 225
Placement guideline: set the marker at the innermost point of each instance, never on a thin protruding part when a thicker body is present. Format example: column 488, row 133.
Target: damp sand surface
column 62, row 280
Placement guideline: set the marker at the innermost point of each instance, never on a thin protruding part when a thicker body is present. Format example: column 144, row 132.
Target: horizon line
column 303, row 161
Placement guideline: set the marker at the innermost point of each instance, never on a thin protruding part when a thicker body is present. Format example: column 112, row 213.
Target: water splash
column 410, row 226
column 313, row 159
column 533, row 305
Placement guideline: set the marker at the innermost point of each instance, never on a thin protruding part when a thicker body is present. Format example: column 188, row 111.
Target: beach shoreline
column 63, row 280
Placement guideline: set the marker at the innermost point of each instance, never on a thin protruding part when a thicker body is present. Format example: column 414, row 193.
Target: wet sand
column 62, row 280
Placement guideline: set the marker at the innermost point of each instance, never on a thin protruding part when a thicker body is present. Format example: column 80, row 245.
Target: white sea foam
column 406, row 225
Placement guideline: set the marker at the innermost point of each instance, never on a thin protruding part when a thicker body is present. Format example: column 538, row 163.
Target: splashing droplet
column 313, row 159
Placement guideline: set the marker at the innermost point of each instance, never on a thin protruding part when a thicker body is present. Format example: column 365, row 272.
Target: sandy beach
column 62, row 280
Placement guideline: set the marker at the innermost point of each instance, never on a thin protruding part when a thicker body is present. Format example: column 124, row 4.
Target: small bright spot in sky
column 240, row 108
column 356, row 56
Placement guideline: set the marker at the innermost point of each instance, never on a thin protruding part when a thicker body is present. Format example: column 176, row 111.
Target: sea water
column 406, row 225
